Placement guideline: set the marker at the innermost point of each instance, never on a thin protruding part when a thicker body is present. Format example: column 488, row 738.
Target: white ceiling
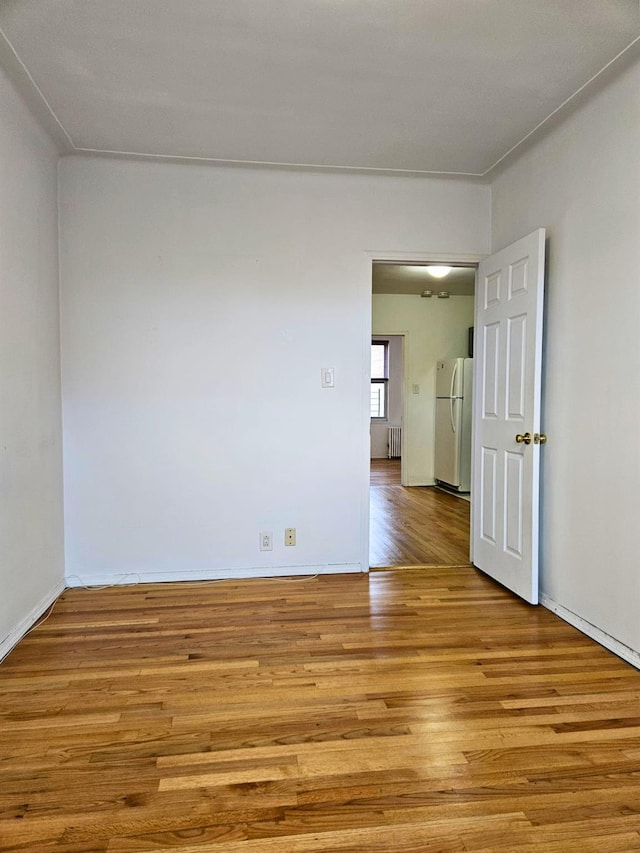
column 444, row 86
column 414, row 279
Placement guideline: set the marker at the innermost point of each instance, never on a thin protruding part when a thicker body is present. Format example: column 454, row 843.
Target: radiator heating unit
column 394, row 442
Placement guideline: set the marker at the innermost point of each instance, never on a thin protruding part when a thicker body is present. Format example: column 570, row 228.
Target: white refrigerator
column 454, row 381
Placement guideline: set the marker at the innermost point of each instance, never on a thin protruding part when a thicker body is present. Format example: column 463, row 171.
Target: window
column 379, row 378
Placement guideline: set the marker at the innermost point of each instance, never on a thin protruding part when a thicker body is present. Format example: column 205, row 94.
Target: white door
column 506, row 458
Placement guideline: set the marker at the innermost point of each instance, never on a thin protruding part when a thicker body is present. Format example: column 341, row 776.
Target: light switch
column 328, row 378
column 416, row 388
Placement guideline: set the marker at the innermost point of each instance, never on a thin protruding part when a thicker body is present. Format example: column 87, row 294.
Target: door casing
column 368, row 260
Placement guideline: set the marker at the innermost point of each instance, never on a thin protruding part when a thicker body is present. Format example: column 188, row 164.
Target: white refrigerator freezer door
column 449, row 377
column 447, row 441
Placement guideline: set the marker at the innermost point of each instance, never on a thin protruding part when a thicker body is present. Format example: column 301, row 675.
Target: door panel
column 514, row 482
column 507, row 395
column 489, row 355
column 516, row 366
column 488, row 494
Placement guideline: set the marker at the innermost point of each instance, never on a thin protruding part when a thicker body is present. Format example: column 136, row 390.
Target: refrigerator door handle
column 452, row 401
column 453, row 378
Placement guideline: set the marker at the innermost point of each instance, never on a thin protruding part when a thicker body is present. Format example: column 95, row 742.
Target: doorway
column 414, row 526
column 411, row 521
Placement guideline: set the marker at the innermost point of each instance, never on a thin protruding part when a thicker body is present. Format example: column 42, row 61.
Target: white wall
column 395, row 389
column 31, row 556
column 199, row 305
column 583, row 183
column 434, row 329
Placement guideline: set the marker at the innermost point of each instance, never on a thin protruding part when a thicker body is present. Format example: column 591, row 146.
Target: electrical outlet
column 266, row 540
column 328, row 377
column 290, row 536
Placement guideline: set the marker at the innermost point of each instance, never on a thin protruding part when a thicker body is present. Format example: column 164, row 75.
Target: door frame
column 393, row 257
column 405, row 337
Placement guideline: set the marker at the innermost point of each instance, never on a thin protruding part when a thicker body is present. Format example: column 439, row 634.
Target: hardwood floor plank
column 416, row 526
column 412, row 710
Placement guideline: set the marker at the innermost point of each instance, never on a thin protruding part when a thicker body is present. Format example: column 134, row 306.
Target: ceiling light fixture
column 438, row 271
column 427, row 293
column 444, row 294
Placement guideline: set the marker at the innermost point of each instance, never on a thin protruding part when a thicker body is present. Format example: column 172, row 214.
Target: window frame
column 382, row 381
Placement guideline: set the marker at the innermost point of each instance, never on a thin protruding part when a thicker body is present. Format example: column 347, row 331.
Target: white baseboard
column 18, row 632
column 615, row 646
column 135, row 577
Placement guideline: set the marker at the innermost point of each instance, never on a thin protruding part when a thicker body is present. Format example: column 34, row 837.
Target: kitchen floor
column 417, row 525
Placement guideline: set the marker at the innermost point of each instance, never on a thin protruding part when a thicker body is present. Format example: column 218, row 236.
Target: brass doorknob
column 523, row 439
column 539, row 438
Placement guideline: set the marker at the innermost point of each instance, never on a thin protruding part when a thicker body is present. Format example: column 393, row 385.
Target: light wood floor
column 416, row 710
column 414, row 526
